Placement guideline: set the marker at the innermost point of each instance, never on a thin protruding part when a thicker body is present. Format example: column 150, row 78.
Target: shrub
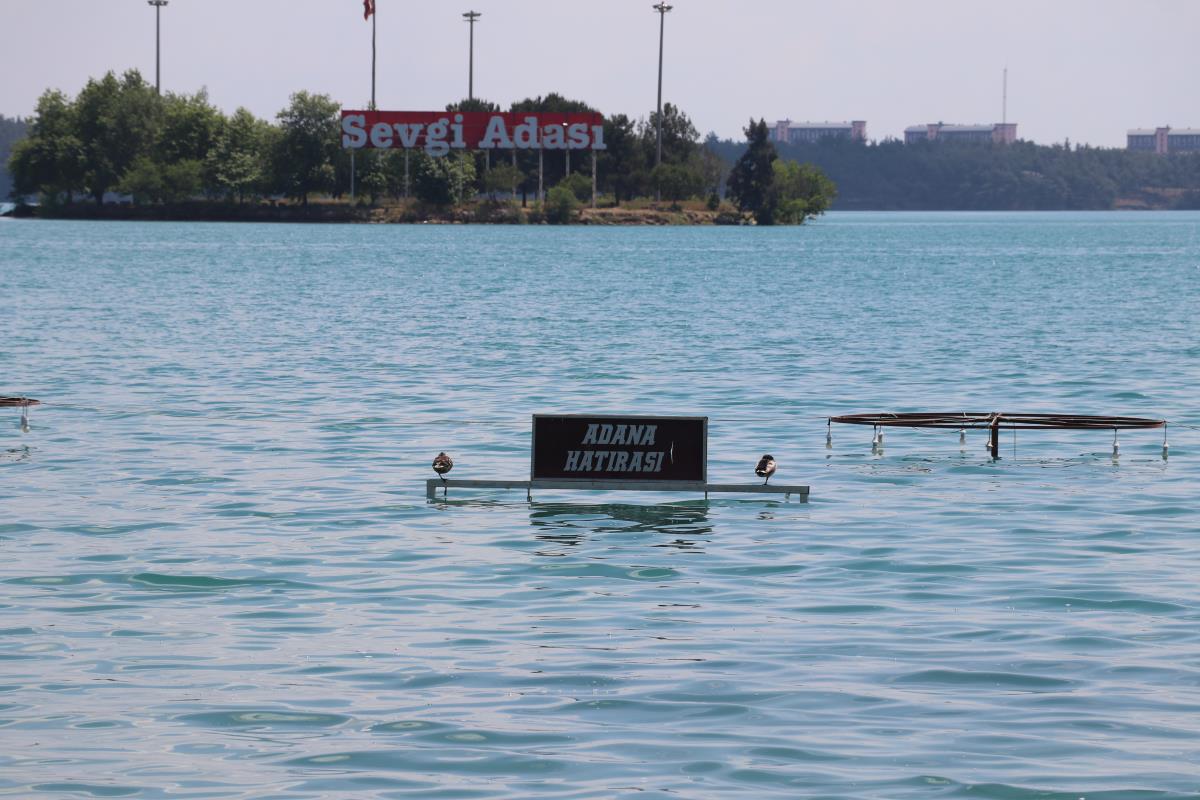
column 561, row 206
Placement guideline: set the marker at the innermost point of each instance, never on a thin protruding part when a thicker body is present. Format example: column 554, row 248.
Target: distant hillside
column 891, row 175
column 11, row 131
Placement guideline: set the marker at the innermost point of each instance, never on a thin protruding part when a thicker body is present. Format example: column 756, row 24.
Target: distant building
column 1164, row 140
column 999, row 133
column 790, row 132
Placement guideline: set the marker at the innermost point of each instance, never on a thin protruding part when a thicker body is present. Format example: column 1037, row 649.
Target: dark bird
column 443, row 464
column 765, row 468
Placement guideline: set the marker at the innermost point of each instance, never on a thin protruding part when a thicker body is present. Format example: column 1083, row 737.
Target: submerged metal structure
column 996, row 421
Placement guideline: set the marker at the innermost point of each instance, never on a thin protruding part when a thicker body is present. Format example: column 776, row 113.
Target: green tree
column 797, row 192
column 561, row 205
column 51, row 159
column 710, row 166
column 554, row 161
column 677, row 181
column 579, row 186
column 751, row 178
column 473, row 104
column 117, row 121
column 190, row 128
column 679, row 136
column 501, row 178
column 151, row 181
column 12, row 130
column 238, row 164
column 308, row 145
column 621, row 168
column 442, row 181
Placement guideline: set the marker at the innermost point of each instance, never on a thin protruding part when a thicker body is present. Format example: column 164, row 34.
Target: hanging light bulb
column 1166, row 447
column 1116, row 446
column 828, row 434
column 24, row 423
column 962, row 438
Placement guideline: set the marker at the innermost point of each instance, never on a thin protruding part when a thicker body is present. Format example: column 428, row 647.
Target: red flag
column 368, row 8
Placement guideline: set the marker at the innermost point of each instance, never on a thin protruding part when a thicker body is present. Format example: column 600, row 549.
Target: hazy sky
column 1081, row 69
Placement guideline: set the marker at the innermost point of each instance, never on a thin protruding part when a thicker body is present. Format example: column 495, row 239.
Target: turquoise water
column 221, row 579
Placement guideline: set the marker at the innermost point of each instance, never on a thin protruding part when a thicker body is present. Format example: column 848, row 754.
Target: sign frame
column 620, row 418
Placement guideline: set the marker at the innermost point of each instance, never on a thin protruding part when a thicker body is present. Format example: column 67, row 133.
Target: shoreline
column 410, row 214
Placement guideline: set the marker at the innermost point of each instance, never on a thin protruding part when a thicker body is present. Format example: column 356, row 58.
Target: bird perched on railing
column 442, row 464
column 766, row 468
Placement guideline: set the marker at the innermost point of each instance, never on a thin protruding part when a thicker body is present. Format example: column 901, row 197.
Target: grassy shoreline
column 411, row 213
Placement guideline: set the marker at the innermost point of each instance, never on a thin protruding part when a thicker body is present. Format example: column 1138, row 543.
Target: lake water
column 221, row 578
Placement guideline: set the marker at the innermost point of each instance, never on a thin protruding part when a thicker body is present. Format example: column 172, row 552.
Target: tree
column 679, row 136
column 11, row 131
column 116, row 121
column 309, row 144
column 151, row 181
column 579, row 186
column 501, row 178
column 442, row 181
column 798, row 191
column 473, row 104
column 190, row 128
column 752, row 175
column 561, row 205
column 620, row 168
column 677, row 181
column 51, row 159
column 710, row 166
column 238, row 165
column 554, row 161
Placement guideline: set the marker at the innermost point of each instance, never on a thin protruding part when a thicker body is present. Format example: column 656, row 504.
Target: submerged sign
column 439, row 132
column 620, row 448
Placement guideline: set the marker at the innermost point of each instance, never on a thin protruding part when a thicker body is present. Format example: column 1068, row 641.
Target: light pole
column 662, row 9
column 158, row 6
column 470, row 17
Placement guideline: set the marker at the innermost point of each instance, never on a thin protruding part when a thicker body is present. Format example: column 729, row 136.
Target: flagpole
column 374, row 16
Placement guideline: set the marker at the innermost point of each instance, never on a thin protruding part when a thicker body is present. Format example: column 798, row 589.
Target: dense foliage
column 774, row 190
column 891, row 175
column 118, row 135
column 11, row 131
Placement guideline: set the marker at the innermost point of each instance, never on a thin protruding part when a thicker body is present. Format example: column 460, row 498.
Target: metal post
column 158, row 4
column 662, row 9
column 406, row 152
column 593, row 179
column 995, row 442
column 514, row 165
column 374, row 16
column 351, row 176
column 540, row 165
column 470, row 17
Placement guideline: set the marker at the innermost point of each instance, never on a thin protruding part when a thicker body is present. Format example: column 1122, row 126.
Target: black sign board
column 592, row 448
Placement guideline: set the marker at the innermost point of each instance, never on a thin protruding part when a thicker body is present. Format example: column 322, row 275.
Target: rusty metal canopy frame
column 18, row 402
column 997, row 419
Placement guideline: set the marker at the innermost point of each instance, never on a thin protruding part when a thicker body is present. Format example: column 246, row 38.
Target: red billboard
column 439, row 132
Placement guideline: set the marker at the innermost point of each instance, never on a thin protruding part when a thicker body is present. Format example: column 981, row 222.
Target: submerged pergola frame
column 996, row 421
